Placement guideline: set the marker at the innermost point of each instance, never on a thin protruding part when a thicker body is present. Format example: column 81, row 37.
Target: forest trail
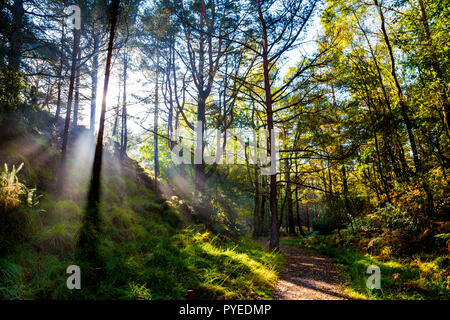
column 308, row 276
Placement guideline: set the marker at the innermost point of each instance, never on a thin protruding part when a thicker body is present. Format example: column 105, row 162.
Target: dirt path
column 308, row 276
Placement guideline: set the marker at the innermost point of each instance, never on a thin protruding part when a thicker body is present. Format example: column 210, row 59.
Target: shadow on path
column 308, row 276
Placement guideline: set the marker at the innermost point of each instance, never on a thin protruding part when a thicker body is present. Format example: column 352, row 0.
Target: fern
column 13, row 192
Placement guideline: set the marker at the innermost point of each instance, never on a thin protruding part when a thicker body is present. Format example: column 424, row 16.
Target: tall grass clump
column 16, row 199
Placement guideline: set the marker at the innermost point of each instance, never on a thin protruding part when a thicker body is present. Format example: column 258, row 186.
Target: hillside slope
column 149, row 251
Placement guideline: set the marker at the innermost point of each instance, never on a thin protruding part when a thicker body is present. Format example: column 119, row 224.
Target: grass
column 230, row 270
column 157, row 268
column 418, row 278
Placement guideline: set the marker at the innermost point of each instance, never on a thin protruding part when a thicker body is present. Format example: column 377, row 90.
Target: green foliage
column 389, row 218
column 12, row 84
column 138, row 292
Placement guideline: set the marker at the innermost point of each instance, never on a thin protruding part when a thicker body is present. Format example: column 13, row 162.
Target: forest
column 224, row 149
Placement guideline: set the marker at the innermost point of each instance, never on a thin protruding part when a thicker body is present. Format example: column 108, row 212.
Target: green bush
column 389, row 218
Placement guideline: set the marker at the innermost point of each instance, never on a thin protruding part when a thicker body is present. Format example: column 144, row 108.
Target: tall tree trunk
column 262, row 222
column 199, row 147
column 299, row 222
column 348, row 207
column 60, row 68
column 15, row 53
column 124, row 134
column 116, row 121
column 16, row 38
column 274, row 228
column 94, row 73
column 116, row 116
column 155, row 121
column 290, row 209
column 99, row 146
column 290, row 212
column 76, row 44
column 90, row 233
column 281, row 209
column 168, row 85
column 308, row 221
column 300, row 227
column 77, row 91
column 330, row 178
column 257, row 208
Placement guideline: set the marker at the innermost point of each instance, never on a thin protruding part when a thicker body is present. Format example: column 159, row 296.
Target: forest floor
column 308, row 276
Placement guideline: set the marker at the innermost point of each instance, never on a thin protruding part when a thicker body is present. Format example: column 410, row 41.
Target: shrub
column 16, row 199
column 395, row 227
column 13, row 192
column 392, row 217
